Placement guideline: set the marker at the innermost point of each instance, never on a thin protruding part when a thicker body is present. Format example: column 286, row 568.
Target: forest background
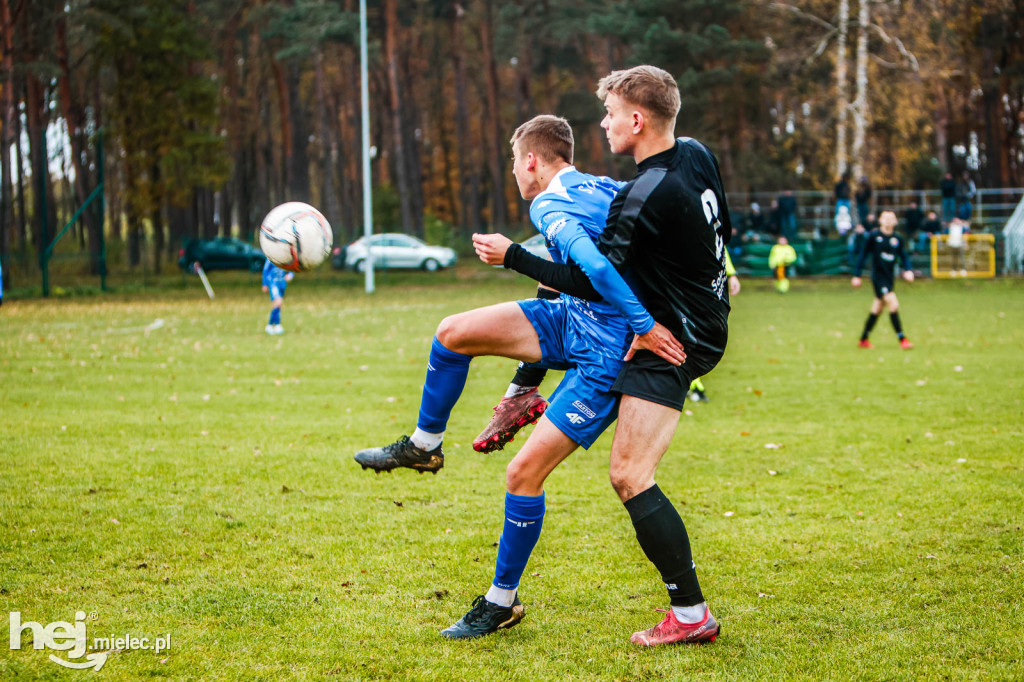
column 213, row 111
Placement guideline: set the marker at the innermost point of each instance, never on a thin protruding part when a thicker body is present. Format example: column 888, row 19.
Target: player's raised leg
column 642, row 437
column 500, row 608
column 501, row 329
column 522, row 403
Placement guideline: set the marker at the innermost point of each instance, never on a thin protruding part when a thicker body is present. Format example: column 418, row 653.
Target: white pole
column 367, row 193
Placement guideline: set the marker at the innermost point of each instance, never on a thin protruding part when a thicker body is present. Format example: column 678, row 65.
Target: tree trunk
column 21, row 225
column 328, row 147
column 860, row 104
column 398, row 142
column 496, row 153
column 469, row 171
column 37, row 118
column 156, row 218
column 7, row 113
column 842, row 91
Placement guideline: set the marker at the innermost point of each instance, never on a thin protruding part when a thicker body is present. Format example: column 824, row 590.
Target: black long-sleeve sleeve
column 569, row 279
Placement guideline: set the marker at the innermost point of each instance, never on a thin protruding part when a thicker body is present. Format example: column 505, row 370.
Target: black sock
column 662, row 536
column 895, row 318
column 868, row 326
column 529, row 376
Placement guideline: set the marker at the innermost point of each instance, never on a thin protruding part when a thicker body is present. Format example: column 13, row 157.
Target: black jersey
column 884, row 250
column 667, row 230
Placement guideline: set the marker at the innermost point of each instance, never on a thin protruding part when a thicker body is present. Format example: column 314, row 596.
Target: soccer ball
column 296, row 237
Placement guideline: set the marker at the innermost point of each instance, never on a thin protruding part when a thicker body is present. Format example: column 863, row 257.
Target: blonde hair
column 548, row 137
column 647, row 87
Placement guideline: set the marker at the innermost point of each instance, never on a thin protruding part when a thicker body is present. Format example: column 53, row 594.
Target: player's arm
column 497, row 249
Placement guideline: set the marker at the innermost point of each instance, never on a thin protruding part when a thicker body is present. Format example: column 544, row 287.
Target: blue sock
column 275, row 316
column 524, row 516
column 446, row 377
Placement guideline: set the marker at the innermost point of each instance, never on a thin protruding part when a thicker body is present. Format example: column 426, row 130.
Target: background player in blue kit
column 587, row 340
column 275, row 281
column 885, row 248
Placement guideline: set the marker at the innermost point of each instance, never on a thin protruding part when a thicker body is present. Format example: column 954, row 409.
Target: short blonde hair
column 548, row 137
column 648, row 87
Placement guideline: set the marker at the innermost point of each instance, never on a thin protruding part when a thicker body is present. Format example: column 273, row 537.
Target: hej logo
column 72, row 637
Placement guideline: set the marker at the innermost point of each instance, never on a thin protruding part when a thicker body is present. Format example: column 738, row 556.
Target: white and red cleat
column 671, row 631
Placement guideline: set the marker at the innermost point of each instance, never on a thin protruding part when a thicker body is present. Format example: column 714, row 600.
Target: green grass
column 196, row 479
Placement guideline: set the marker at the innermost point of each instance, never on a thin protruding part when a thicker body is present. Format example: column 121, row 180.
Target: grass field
column 167, row 468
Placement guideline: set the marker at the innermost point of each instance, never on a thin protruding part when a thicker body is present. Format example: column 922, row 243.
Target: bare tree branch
column 783, row 7
column 907, row 55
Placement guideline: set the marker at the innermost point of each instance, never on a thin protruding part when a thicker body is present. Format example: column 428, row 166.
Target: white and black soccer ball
column 296, row 237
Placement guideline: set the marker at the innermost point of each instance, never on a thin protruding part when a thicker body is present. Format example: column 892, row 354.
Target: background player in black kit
column 885, row 248
column 666, row 233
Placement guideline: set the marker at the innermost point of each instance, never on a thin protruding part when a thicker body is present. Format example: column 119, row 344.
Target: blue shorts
column 277, row 291
column 583, row 405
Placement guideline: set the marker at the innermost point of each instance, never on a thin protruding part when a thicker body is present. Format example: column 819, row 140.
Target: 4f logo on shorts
column 575, row 418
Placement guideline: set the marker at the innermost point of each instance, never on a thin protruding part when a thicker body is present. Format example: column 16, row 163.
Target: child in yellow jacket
column 781, row 256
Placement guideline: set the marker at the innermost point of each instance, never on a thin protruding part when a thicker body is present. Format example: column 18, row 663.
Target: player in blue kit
column 588, row 340
column 275, row 281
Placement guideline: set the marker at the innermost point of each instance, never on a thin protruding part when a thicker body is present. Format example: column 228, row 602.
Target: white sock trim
column 426, row 441
column 516, row 389
column 499, row 596
column 690, row 614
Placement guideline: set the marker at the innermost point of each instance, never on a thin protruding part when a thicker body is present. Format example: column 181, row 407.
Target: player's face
column 527, row 183
column 618, row 124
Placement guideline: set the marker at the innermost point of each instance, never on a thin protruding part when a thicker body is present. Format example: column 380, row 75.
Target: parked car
column 537, row 245
column 396, row 250
column 221, row 253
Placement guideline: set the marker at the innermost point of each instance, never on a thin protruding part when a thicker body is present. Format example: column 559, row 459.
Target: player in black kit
column 666, row 233
column 886, row 248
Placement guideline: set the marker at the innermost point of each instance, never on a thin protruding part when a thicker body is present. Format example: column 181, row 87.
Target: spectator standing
column 863, row 198
column 787, row 214
column 948, row 189
column 755, row 219
column 773, row 225
column 913, row 219
column 965, row 191
column 842, row 194
column 930, row 226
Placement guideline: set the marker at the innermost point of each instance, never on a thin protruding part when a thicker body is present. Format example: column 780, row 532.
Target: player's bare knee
column 449, row 333
column 624, row 481
column 521, row 479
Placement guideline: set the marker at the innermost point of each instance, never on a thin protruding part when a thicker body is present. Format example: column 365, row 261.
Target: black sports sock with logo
column 662, row 536
column 868, row 326
column 896, row 324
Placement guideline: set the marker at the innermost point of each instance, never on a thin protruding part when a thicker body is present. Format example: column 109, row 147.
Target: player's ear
column 531, row 161
column 638, row 122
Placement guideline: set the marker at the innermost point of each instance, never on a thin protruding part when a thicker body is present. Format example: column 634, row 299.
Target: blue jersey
column 571, row 214
column 273, row 275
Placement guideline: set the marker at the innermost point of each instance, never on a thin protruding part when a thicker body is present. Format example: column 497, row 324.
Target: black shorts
column 883, row 285
column 649, row 377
